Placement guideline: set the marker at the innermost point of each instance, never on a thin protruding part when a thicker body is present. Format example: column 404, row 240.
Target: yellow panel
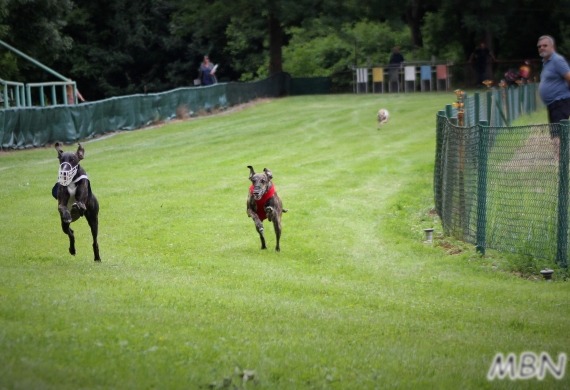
column 378, row 75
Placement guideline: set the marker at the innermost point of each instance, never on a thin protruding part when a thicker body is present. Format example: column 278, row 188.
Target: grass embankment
column 184, row 295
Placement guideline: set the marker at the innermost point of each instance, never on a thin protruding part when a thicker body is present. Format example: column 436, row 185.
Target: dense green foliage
column 127, row 46
column 320, row 50
column 355, row 299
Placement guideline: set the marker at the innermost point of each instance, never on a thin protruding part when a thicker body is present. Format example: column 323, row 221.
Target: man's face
column 545, row 48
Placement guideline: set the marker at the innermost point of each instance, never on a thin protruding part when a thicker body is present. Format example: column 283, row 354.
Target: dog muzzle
column 66, row 174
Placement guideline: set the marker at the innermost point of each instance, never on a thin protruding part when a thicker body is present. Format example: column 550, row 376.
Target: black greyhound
column 73, row 191
column 263, row 202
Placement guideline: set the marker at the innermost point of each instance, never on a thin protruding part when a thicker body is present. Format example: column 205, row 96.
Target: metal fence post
column 528, row 89
column 53, row 96
column 482, row 150
column 29, row 96
column 507, row 103
column 448, row 110
column 534, row 96
column 75, row 93
column 562, row 244
column 477, row 108
column 5, row 95
column 64, row 94
column 489, row 104
column 530, row 92
column 438, row 174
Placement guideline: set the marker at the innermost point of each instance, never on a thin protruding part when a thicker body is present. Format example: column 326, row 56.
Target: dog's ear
column 59, row 151
column 268, row 173
column 80, row 152
column 251, row 171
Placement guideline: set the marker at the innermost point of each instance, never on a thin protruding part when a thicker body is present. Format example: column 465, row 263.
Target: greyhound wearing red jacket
column 263, row 202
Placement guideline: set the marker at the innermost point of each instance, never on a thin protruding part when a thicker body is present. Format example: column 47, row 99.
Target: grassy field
column 185, row 299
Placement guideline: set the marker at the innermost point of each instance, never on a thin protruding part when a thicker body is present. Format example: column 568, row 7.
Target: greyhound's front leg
column 62, row 208
column 258, row 226
column 81, row 197
column 67, row 230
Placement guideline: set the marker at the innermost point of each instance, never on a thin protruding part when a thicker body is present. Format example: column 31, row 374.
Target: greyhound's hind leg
column 93, row 222
column 277, row 227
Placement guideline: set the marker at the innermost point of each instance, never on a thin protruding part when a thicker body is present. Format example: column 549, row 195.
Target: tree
column 510, row 27
column 35, row 30
column 322, row 50
column 122, row 47
column 3, row 13
column 254, row 31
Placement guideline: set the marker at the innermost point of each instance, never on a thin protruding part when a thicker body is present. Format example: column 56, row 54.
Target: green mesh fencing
column 499, row 107
column 503, row 187
column 24, row 127
column 274, row 86
column 310, row 86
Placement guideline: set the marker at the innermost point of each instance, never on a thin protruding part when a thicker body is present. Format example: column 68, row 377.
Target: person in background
column 70, row 97
column 207, row 72
column 394, row 67
column 554, row 87
column 524, row 71
column 481, row 56
column 396, row 58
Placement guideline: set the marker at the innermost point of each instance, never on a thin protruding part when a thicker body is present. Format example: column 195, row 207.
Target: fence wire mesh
column 500, row 186
column 522, row 190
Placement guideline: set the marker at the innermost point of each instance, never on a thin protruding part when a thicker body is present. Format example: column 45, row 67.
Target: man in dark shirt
column 396, row 58
column 480, row 55
column 394, row 67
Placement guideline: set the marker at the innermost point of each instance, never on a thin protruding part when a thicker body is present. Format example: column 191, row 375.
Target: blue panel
column 425, row 72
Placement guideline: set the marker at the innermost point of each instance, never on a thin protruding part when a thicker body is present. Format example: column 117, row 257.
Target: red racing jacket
column 261, row 202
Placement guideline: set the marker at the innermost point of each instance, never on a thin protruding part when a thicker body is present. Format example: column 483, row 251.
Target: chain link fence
column 501, row 186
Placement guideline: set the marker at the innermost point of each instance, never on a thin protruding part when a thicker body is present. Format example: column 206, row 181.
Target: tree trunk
column 414, row 16
column 275, row 45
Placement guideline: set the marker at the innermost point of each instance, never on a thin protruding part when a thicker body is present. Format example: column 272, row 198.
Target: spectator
column 481, row 56
column 396, row 58
column 207, row 72
column 394, row 68
column 70, row 97
column 554, row 87
column 524, row 71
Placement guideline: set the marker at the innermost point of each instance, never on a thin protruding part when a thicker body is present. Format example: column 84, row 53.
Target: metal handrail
column 53, row 85
column 19, row 91
column 23, row 91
